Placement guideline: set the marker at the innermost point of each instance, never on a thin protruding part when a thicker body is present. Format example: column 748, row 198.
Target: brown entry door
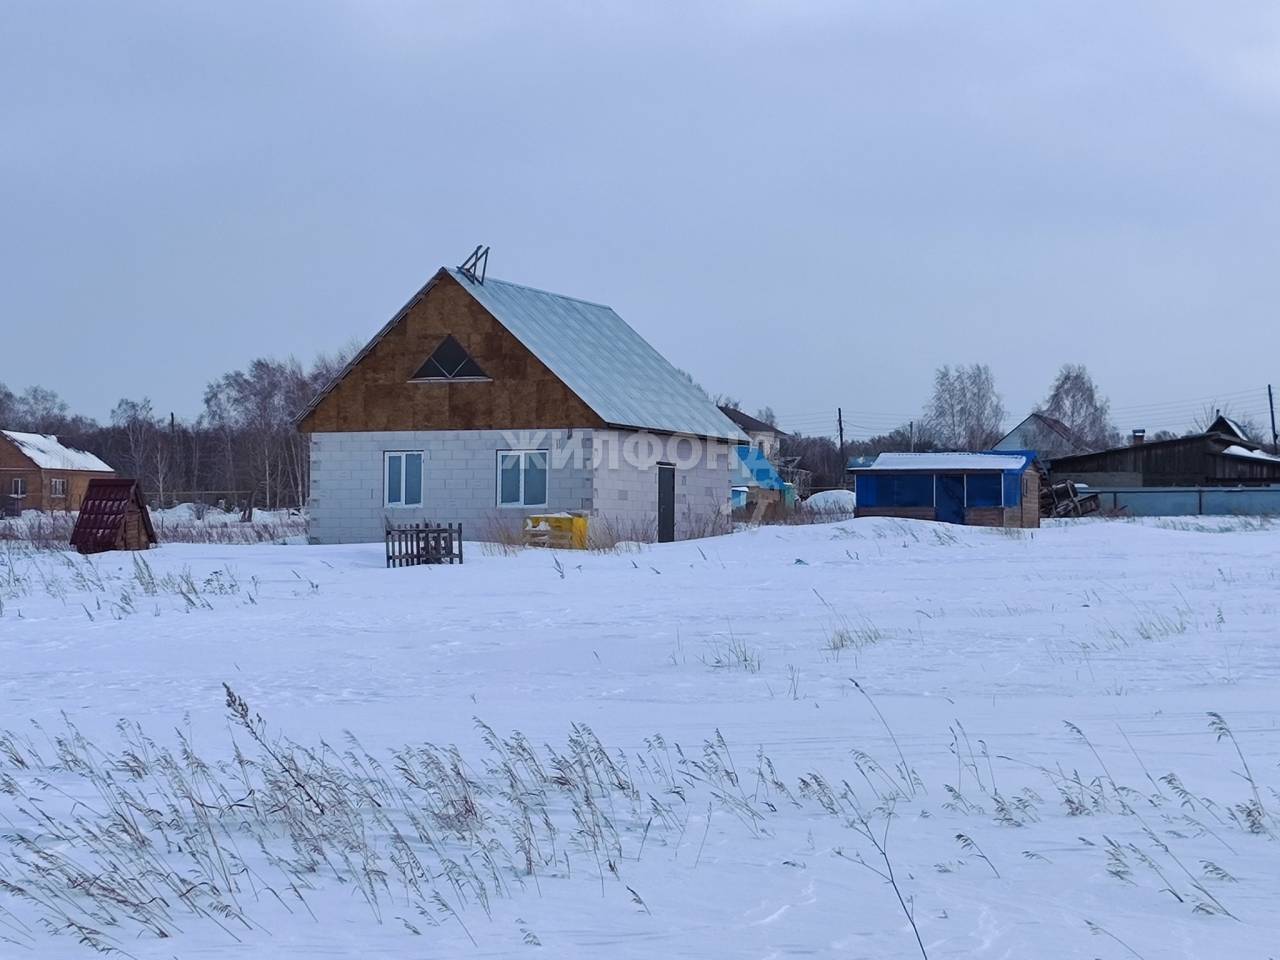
column 666, row 502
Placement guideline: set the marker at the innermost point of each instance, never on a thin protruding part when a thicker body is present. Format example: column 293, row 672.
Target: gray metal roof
column 601, row 359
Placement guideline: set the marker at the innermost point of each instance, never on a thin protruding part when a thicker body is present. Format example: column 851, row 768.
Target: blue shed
column 980, row 489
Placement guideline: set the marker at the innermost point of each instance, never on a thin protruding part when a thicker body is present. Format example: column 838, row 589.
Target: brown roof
column 103, row 511
column 748, row 423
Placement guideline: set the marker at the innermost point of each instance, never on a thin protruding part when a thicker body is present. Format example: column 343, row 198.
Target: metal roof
column 949, row 462
column 601, row 359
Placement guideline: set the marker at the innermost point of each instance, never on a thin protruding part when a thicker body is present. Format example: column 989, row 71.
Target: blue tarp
column 759, row 472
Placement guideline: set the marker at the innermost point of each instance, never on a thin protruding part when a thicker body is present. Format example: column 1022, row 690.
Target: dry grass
column 52, row 531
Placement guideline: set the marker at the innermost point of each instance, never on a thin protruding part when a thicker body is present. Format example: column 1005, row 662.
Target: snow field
column 689, row 750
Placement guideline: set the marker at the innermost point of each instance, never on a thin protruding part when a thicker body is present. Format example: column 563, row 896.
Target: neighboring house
column 37, row 472
column 1229, row 428
column 979, row 489
column 483, row 402
column 1047, row 436
column 765, row 437
column 1219, row 457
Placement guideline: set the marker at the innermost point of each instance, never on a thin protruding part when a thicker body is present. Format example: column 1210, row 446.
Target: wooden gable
column 378, row 391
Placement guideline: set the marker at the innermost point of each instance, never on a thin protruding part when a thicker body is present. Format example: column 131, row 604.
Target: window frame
column 524, row 455
column 14, row 484
column 400, row 504
column 58, row 487
column 985, row 506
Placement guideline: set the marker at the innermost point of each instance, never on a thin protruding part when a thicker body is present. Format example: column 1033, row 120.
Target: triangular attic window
column 450, row 361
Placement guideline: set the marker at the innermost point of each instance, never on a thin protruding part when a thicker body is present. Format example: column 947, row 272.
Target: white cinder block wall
column 603, row 472
column 625, row 495
column 460, row 481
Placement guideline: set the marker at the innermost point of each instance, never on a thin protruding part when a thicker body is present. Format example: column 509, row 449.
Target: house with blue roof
column 483, row 402
column 978, row 489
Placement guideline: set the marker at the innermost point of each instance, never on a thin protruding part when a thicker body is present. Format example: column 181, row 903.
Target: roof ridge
column 525, row 286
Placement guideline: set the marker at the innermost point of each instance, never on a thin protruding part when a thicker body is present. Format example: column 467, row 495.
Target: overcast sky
column 804, row 205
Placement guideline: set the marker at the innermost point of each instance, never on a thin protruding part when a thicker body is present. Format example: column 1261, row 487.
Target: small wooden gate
column 413, row 544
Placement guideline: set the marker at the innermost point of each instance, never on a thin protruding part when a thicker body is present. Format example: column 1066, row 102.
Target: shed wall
column 904, row 513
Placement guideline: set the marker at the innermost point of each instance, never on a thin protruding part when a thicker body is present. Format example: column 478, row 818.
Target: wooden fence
column 413, row 544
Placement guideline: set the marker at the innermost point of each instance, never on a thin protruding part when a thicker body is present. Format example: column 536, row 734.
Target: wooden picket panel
column 413, row 544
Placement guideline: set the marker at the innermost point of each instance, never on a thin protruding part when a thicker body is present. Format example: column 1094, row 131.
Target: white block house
column 483, row 402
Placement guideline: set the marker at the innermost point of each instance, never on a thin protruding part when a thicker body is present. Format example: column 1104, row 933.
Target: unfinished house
column 484, row 402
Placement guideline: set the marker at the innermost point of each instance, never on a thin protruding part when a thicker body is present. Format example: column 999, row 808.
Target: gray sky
column 804, row 205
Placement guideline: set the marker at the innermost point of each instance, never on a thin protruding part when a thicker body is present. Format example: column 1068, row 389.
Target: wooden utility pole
column 844, row 467
column 1271, row 401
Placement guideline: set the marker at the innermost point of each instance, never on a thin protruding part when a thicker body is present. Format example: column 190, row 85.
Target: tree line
column 242, row 449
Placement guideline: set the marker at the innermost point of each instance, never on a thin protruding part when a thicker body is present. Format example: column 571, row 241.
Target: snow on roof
column 601, row 359
column 1235, row 450
column 949, row 461
column 44, row 450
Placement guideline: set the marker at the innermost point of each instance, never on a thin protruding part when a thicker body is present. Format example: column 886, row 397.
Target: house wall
column 601, row 472
column 1187, row 461
column 460, row 476
column 625, row 485
column 15, row 464
column 376, row 394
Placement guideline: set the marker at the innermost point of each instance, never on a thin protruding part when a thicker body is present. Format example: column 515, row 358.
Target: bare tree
column 1074, row 400
column 902, row 439
column 767, row 415
column 8, row 407
column 40, row 410
column 965, row 412
column 136, row 423
column 818, row 455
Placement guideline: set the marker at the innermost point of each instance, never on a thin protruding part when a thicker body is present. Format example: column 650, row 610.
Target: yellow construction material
column 564, row 531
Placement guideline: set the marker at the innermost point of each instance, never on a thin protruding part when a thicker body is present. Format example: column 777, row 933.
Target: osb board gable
column 376, row 393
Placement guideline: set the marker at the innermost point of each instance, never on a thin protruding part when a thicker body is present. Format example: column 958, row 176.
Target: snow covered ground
column 687, row 750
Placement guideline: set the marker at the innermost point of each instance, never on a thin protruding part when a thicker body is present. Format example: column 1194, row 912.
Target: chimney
column 1139, row 437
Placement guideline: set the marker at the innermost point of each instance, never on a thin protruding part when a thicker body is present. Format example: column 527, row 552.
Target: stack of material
column 561, row 531
column 1066, row 499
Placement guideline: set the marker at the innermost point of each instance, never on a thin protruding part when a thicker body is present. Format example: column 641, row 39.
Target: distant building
column 38, row 472
column 765, row 437
column 978, row 489
column 1221, row 456
column 1047, row 436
